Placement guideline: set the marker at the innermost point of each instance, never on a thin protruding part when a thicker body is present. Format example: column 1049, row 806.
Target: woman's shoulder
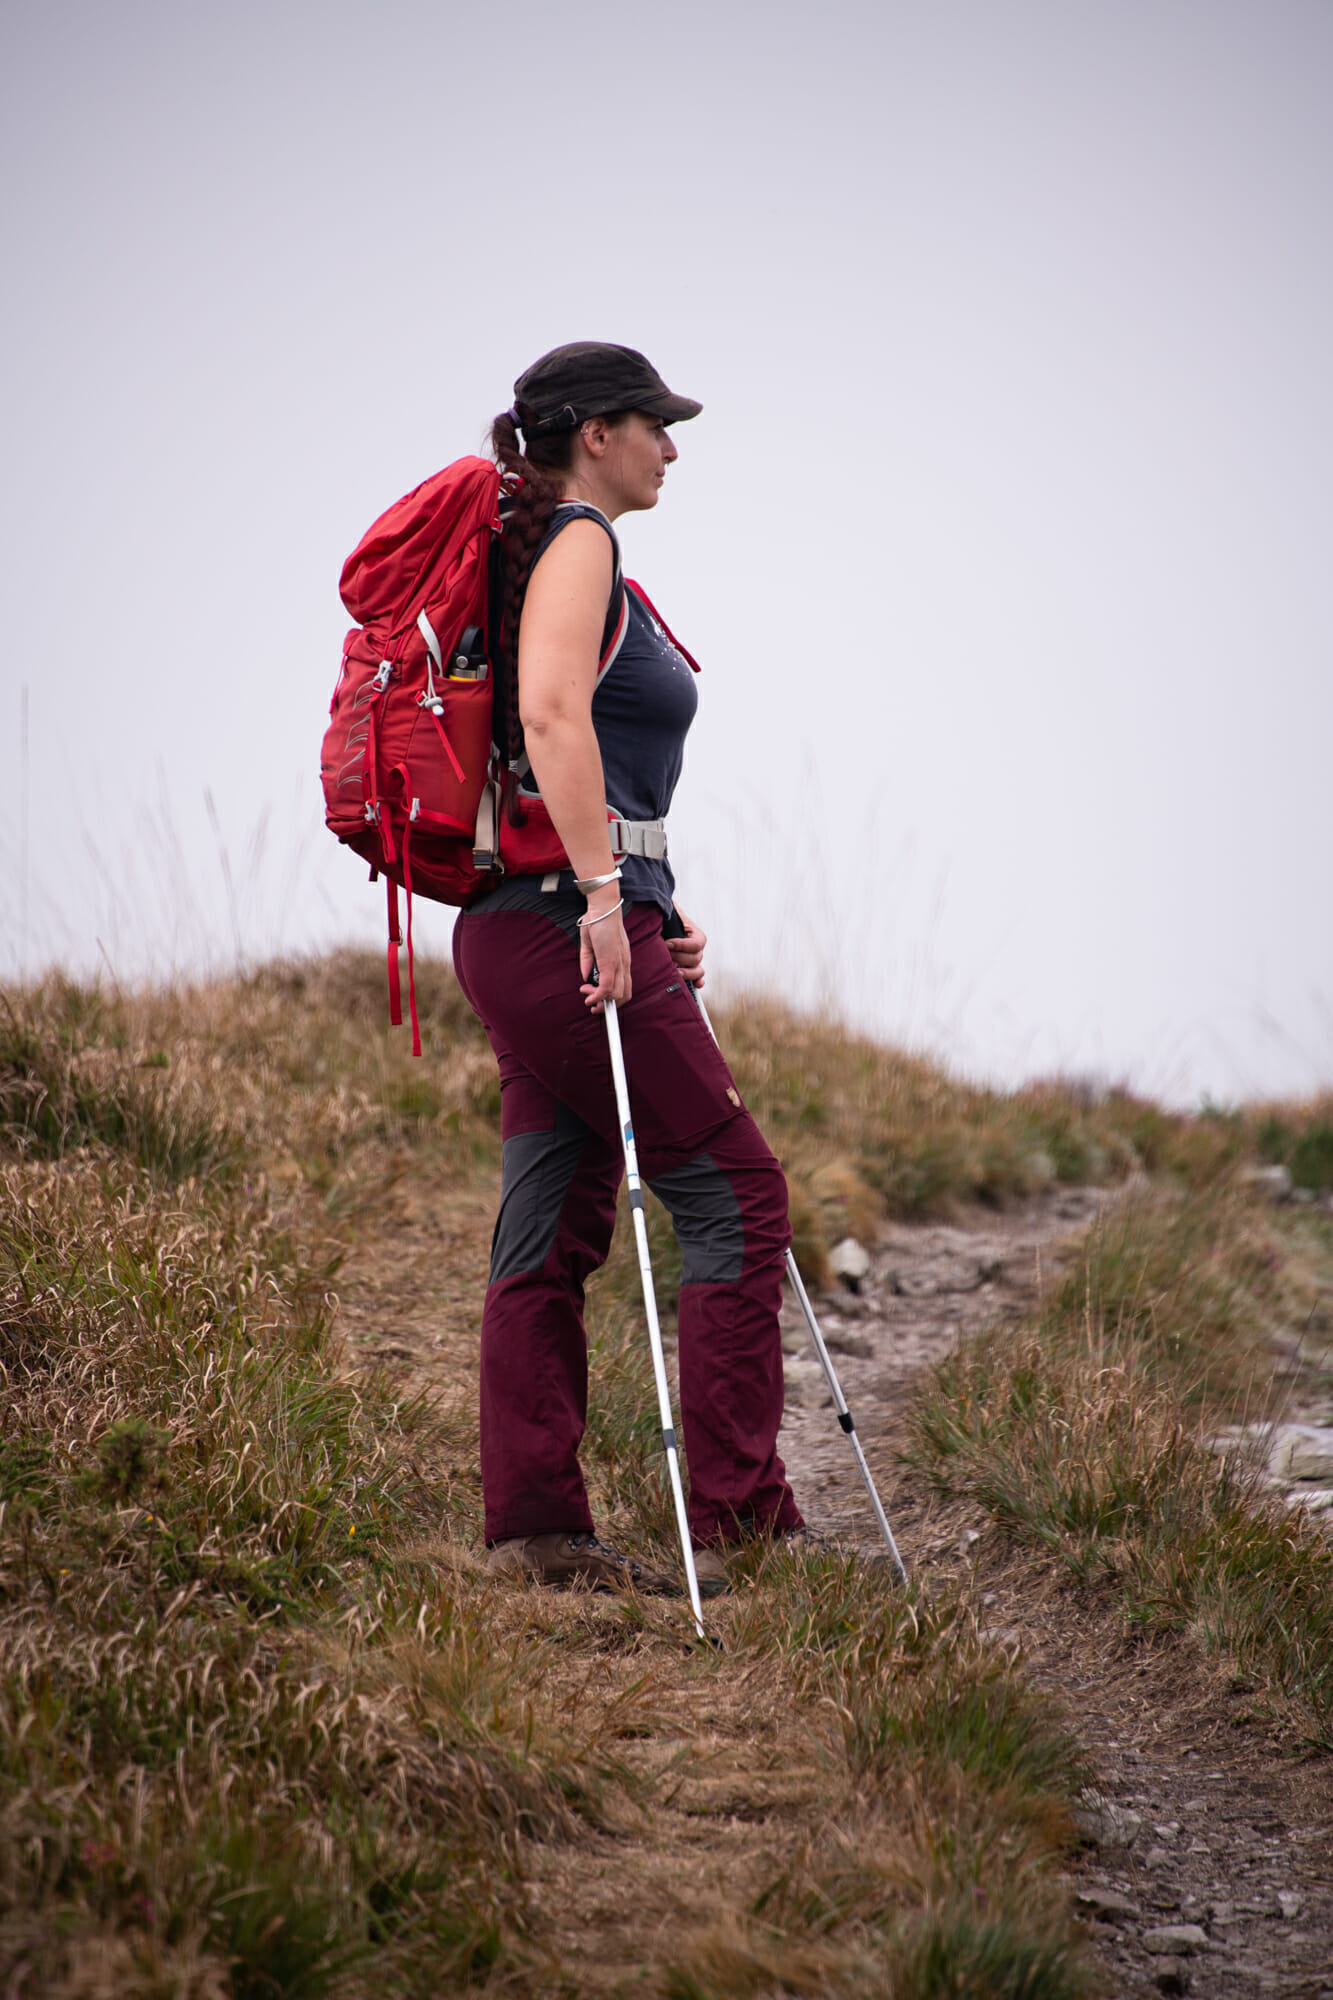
column 575, row 547
column 569, row 517
column 571, row 510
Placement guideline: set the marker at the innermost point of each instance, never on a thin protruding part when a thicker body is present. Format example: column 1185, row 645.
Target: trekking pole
column 650, row 1307
column 845, row 1418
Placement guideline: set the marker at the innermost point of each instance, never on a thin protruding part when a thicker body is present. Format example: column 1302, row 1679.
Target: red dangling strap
column 411, row 963
column 448, row 746
column 395, row 939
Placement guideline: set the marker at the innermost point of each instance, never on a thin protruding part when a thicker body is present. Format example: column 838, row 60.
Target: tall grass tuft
column 69, row 1078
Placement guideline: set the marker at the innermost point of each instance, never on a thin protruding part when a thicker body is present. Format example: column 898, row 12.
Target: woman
column 603, row 701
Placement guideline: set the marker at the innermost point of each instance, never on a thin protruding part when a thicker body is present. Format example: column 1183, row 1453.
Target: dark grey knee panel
column 707, row 1219
column 538, row 1168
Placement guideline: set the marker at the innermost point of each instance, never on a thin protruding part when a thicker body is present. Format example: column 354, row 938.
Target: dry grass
column 864, row 1130
column 267, row 1728
column 1085, row 1435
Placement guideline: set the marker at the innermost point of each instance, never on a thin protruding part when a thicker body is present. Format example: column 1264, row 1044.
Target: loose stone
column 1107, row 1904
column 847, row 1340
column 1176, row 1940
column 1302, row 1451
column 1275, row 1182
column 850, row 1261
column 1103, row 1821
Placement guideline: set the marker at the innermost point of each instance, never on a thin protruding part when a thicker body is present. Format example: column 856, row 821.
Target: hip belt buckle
column 644, row 837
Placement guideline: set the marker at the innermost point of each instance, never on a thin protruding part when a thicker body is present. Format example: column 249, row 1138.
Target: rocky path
column 1209, row 1863
column 928, row 1286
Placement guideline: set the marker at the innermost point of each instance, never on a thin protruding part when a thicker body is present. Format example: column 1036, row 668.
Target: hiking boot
column 575, row 1556
column 711, row 1572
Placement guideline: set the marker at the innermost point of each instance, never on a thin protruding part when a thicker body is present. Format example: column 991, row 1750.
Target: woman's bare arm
column 560, row 639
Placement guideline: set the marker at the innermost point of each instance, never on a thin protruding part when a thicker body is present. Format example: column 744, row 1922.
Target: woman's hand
column 688, row 951
column 604, row 944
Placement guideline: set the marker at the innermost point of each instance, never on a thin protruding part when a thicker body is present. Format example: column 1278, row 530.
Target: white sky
column 1004, row 538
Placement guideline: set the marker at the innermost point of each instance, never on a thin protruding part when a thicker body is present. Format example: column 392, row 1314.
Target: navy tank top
column 642, row 708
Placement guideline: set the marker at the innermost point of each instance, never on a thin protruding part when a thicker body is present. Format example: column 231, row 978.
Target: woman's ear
column 595, row 432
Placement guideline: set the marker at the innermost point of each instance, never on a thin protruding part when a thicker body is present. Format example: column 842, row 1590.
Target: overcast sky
column 1004, row 538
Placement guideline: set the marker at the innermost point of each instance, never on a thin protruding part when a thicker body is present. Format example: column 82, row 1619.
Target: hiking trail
column 1208, row 1867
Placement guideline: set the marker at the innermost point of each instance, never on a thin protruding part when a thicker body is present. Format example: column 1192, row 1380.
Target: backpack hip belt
column 644, row 837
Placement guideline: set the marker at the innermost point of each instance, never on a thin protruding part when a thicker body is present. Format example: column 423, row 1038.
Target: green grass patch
column 1301, row 1143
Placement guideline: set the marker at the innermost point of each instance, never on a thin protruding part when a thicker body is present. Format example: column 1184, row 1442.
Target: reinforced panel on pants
column 538, row 1168
column 707, row 1219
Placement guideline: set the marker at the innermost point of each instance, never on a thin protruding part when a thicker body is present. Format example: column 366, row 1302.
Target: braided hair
column 533, row 473
column 534, row 497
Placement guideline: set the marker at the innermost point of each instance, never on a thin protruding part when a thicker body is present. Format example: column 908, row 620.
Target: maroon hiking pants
column 703, row 1156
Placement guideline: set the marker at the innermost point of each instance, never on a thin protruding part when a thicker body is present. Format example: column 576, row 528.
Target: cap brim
column 672, row 409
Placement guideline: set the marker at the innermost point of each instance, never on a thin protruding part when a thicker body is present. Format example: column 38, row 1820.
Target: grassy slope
column 266, row 1728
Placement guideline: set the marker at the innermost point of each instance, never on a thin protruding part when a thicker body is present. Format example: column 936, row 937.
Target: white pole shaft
column 846, row 1421
column 635, row 1187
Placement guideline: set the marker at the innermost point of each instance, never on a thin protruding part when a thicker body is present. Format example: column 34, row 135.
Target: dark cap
column 588, row 378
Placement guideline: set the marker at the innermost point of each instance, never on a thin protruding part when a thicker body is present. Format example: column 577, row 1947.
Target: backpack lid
column 404, row 559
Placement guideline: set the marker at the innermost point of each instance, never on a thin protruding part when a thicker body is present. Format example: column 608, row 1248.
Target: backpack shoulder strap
column 648, row 605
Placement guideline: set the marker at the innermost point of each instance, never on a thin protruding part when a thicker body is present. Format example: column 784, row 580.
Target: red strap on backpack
column 446, row 745
column 411, row 959
column 648, row 605
column 395, row 939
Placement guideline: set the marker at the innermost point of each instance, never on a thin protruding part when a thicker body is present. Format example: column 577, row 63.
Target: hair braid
column 535, row 499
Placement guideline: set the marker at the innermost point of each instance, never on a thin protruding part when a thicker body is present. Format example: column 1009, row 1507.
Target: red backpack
column 413, row 780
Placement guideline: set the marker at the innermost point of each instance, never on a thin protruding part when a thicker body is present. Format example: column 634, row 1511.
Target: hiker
column 596, row 698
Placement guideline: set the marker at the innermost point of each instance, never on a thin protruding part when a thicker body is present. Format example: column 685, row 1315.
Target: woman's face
column 633, row 466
